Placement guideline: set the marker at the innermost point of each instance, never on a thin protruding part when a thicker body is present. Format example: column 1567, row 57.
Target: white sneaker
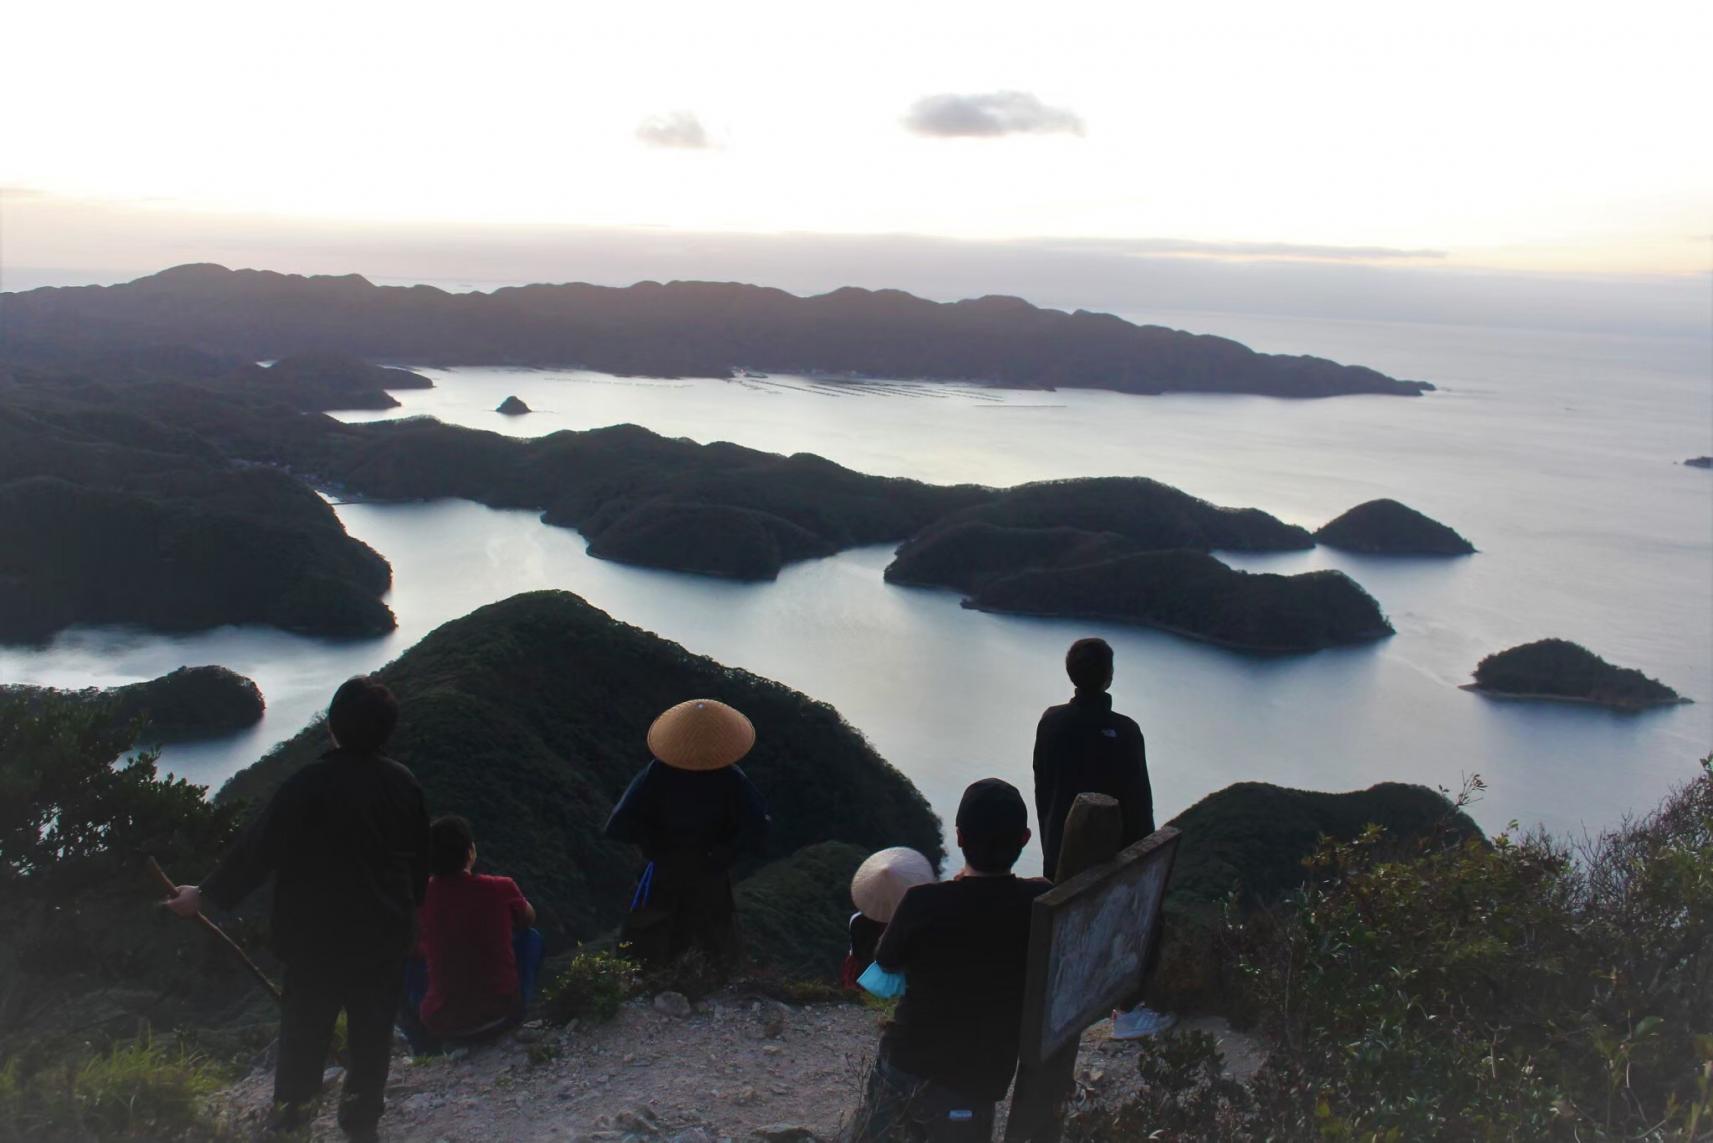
column 1140, row 1021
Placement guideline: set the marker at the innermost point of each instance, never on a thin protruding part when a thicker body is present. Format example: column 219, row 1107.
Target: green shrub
column 139, row 1090
column 592, row 985
column 1526, row 989
column 80, row 930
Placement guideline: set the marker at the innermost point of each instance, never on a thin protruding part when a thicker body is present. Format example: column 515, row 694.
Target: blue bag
column 644, row 889
column 881, row 983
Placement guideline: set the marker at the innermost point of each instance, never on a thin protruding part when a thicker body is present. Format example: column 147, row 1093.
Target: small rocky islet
column 1557, row 670
column 1386, row 527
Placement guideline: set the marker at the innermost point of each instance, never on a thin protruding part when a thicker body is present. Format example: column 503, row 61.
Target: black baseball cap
column 992, row 810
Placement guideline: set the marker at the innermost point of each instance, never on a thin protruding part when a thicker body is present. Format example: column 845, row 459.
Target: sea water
column 1556, row 454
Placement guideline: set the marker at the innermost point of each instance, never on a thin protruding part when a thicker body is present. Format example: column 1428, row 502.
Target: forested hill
column 528, row 717
column 110, row 515
column 669, row 330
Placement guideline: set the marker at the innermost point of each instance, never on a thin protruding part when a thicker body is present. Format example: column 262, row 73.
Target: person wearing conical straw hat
column 692, row 811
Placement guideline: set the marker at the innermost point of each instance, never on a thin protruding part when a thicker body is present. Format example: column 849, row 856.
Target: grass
column 137, row 1090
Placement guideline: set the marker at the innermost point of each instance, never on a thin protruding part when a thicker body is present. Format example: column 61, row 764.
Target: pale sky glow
column 1549, row 136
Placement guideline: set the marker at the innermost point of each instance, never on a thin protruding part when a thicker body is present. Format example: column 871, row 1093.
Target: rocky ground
column 733, row 1067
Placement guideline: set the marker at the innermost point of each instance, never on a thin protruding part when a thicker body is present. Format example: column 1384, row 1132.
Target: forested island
column 1386, row 527
column 1559, row 670
column 315, row 382
column 1151, row 515
column 189, row 703
column 116, row 512
column 637, row 497
column 1193, row 594
column 729, row 511
column 166, row 488
column 1134, row 550
column 528, row 717
column 676, row 329
column 1700, row 462
column 1067, row 523
column 966, row 554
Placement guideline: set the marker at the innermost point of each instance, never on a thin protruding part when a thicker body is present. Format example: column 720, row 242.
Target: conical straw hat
column 701, row 734
column 881, row 880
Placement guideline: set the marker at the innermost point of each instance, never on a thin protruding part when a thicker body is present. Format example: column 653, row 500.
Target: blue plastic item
column 644, row 889
column 881, row 983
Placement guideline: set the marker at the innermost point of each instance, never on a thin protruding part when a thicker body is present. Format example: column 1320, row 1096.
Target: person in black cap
column 962, row 948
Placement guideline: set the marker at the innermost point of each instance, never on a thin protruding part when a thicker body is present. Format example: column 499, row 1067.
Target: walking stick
column 172, row 887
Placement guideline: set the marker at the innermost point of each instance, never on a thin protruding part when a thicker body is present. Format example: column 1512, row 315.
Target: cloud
column 1247, row 250
column 679, row 129
column 989, row 114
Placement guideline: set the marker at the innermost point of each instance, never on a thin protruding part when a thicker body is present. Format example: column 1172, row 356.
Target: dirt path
column 734, row 1068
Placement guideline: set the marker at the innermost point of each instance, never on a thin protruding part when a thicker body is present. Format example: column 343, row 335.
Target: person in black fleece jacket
column 1085, row 747
column 346, row 841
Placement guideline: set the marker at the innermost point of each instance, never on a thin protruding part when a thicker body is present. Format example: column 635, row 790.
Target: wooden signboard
column 1089, row 942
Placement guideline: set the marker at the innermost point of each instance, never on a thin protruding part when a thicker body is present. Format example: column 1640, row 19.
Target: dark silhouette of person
column 962, row 949
column 693, row 813
column 346, row 841
column 1085, row 747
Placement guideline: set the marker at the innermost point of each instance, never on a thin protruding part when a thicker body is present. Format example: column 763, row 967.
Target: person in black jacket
column 692, row 812
column 346, row 841
column 1085, row 747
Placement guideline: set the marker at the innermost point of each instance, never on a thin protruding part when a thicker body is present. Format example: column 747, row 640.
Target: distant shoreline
column 674, row 330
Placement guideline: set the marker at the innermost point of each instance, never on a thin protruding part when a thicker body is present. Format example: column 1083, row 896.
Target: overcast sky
column 1543, row 138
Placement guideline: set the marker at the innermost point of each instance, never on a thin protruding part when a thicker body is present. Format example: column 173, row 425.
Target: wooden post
column 1093, row 835
column 1094, row 830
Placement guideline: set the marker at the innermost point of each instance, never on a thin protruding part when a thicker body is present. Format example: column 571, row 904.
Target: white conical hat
column 881, row 880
